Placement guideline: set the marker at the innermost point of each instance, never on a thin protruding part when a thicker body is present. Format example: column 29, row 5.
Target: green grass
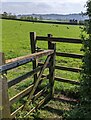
column 16, row 42
column 16, row 39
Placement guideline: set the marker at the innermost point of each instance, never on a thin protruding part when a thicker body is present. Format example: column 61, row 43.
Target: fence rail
column 71, row 55
column 64, row 68
column 64, row 80
column 55, row 39
column 13, row 63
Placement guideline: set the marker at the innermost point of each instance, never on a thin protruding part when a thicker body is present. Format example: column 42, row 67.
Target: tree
column 5, row 15
column 85, row 88
column 82, row 110
column 35, row 18
column 31, row 18
column 40, row 18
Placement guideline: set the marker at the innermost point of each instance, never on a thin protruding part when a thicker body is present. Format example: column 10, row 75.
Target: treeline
column 22, row 17
column 8, row 15
column 39, row 19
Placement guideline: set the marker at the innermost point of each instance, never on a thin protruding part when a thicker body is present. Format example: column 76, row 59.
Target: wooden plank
column 55, row 39
column 12, row 65
column 33, row 50
column 16, row 111
column 34, row 56
column 30, row 112
column 21, row 94
column 23, row 77
column 37, row 81
column 74, row 82
column 67, row 81
column 68, row 68
column 23, row 60
column 43, row 101
column 69, row 55
column 63, row 68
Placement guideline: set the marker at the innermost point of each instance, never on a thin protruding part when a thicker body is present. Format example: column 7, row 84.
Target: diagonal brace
column 37, row 81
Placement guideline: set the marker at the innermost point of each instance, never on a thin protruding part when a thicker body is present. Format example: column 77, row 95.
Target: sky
column 42, row 6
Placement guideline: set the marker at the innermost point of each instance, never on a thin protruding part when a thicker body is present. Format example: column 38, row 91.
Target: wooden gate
column 34, row 38
column 30, row 92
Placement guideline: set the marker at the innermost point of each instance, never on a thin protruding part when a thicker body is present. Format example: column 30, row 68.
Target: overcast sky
column 42, row 6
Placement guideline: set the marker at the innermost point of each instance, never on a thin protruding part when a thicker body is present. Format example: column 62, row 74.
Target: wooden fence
column 37, row 72
column 51, row 39
column 5, row 85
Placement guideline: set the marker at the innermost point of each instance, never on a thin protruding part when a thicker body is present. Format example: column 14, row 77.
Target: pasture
column 16, row 42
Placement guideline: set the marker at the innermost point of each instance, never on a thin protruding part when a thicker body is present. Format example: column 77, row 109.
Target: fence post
column 52, row 65
column 33, row 50
column 4, row 98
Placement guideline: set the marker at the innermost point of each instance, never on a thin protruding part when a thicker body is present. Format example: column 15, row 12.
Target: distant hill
column 67, row 17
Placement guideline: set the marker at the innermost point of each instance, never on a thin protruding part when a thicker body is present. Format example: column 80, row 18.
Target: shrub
column 85, row 88
column 82, row 110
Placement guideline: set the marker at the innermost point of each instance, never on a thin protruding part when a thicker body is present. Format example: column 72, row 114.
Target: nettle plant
column 85, row 88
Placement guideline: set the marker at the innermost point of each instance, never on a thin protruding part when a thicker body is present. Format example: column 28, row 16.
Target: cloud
column 47, row 1
column 43, row 6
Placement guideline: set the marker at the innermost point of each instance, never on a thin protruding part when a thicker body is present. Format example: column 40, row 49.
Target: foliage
column 86, row 72
column 28, row 18
column 8, row 15
column 83, row 109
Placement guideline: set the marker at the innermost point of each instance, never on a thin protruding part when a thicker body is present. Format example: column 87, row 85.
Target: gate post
column 33, row 50
column 4, row 98
column 52, row 65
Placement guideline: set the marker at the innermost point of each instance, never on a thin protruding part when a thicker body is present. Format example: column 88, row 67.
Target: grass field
column 15, row 36
column 16, row 42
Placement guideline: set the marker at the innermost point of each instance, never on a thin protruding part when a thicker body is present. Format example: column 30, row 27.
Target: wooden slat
column 21, row 94
column 63, row 68
column 69, row 55
column 43, row 101
column 32, row 110
column 33, row 56
column 23, row 60
column 68, row 68
column 23, row 77
column 74, row 82
column 55, row 39
column 16, row 111
column 39, row 105
column 67, row 81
